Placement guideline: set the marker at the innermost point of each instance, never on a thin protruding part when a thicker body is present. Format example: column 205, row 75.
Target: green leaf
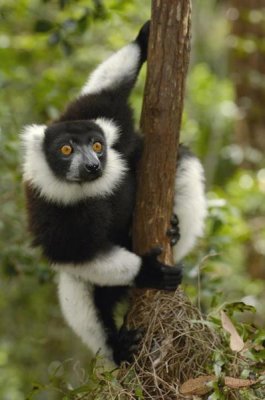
column 139, row 393
column 239, row 306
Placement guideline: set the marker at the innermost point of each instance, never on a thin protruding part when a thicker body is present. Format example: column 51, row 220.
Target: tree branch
column 173, row 348
column 168, row 58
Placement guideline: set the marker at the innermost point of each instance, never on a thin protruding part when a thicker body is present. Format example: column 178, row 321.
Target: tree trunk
column 173, row 349
column 168, row 57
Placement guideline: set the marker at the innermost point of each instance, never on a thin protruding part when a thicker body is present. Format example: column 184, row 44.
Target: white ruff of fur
column 119, row 67
column 190, row 205
column 110, row 129
column 113, row 268
column 77, row 303
column 37, row 172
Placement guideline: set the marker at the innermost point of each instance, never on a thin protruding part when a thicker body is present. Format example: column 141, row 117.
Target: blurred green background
column 47, row 48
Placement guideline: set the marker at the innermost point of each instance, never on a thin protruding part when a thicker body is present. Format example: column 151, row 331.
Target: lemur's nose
column 92, row 167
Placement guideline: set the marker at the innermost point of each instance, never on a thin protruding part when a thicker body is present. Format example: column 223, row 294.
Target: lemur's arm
column 117, row 266
column 119, row 71
column 120, row 267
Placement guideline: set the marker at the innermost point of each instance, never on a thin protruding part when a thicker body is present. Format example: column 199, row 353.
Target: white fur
column 115, row 267
column 110, row 129
column 77, row 303
column 37, row 172
column 119, row 67
column 190, row 204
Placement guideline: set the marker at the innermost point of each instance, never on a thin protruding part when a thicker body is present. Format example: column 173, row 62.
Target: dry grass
column 176, row 344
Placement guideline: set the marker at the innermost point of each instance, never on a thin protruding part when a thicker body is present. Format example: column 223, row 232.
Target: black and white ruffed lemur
column 79, row 175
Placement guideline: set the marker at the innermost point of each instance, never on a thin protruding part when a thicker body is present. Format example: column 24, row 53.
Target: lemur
column 79, row 176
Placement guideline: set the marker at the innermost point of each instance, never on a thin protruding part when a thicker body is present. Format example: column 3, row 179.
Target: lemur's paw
column 171, row 277
column 173, row 232
column 127, row 344
column 142, row 40
column 156, row 275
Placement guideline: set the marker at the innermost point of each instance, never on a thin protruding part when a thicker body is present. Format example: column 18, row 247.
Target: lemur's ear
column 110, row 129
column 32, row 135
column 31, row 141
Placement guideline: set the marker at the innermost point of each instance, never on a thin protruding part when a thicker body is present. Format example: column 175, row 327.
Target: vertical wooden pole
column 165, row 316
column 168, row 58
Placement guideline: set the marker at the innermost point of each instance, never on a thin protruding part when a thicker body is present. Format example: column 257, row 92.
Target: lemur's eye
column 66, row 150
column 97, row 147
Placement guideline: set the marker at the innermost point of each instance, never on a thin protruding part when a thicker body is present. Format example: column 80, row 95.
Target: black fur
column 111, row 104
column 77, row 233
column 82, row 134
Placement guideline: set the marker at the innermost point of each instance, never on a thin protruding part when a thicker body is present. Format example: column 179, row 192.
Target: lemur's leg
column 190, row 202
column 77, row 303
column 119, row 71
column 90, row 315
column 123, row 342
column 89, row 312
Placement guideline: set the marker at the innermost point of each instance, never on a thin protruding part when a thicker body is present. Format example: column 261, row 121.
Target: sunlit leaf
column 236, row 342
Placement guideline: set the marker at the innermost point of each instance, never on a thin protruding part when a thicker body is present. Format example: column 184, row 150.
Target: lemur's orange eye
column 97, row 147
column 66, row 150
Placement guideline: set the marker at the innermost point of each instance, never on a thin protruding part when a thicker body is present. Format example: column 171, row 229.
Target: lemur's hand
column 156, row 275
column 142, row 40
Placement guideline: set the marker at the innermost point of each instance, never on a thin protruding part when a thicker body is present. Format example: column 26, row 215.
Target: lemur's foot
column 173, row 232
column 127, row 344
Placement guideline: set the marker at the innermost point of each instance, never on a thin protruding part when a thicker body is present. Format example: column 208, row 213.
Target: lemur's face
column 75, row 151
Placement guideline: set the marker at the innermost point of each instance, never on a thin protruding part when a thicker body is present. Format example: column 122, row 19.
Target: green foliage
column 248, row 363
column 207, row 124
column 100, row 383
column 47, row 48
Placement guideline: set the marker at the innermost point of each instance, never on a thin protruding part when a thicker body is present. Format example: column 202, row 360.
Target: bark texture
column 173, row 348
column 168, row 58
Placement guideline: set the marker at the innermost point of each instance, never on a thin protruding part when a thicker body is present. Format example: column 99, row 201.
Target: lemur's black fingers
column 173, row 232
column 134, row 334
column 174, row 235
column 142, row 40
column 170, row 284
column 156, row 251
column 172, row 277
column 127, row 344
column 175, row 270
column 174, row 220
column 174, row 240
